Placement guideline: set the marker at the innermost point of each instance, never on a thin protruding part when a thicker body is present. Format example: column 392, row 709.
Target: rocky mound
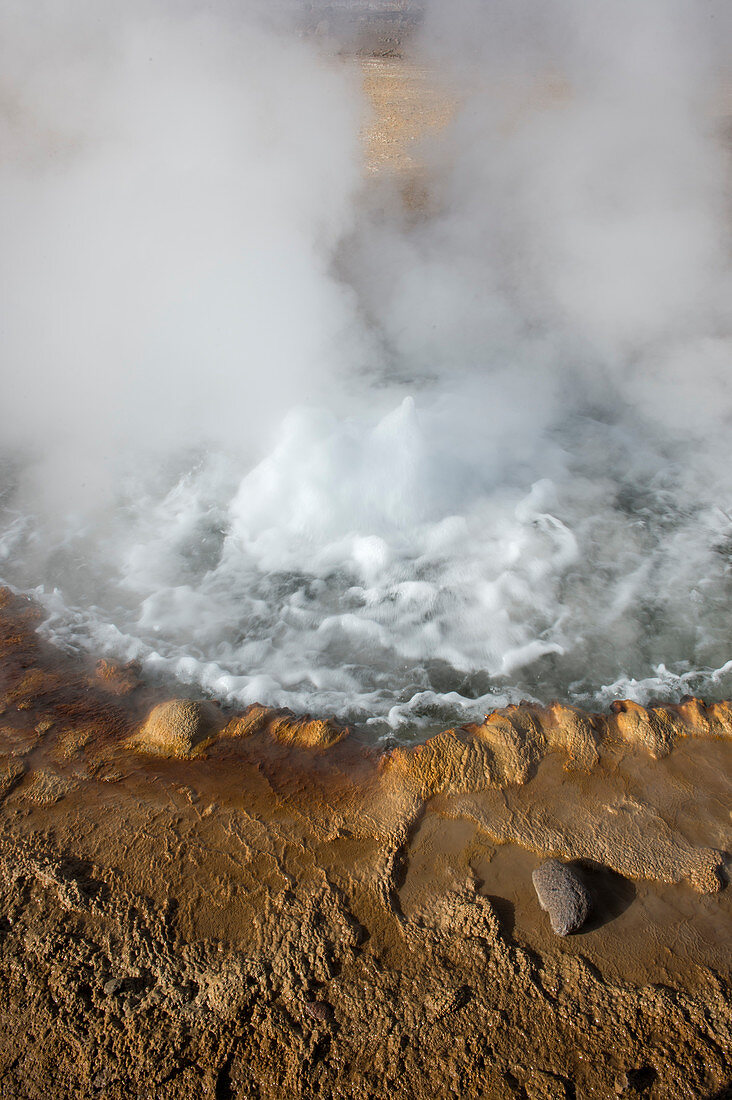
column 176, row 728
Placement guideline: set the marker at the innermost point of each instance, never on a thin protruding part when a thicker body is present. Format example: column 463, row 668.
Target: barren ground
column 282, row 912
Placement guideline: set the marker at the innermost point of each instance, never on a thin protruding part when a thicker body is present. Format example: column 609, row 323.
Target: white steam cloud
column 174, row 179
column 323, row 453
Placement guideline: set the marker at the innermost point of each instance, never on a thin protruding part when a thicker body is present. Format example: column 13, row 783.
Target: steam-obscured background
column 274, row 430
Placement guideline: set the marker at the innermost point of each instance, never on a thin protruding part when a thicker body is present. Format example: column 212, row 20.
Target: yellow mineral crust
column 176, row 728
column 287, row 728
column 306, row 732
column 507, row 747
column 117, row 678
column 297, row 897
column 506, row 752
column 184, row 727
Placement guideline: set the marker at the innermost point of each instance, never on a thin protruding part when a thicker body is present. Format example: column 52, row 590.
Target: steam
column 405, row 467
column 174, row 182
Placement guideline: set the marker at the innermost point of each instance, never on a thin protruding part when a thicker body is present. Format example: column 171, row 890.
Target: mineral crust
column 266, row 906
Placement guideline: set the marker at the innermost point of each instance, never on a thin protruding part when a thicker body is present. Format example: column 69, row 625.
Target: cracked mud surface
column 283, row 912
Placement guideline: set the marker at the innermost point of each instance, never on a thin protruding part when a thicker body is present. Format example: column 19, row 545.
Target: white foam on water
column 373, row 569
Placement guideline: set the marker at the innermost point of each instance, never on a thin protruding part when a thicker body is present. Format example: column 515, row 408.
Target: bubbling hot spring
column 400, row 441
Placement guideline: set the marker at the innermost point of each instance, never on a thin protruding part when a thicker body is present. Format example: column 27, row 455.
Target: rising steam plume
column 271, row 431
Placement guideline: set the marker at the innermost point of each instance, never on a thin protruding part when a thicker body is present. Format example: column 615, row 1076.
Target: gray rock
column 563, row 895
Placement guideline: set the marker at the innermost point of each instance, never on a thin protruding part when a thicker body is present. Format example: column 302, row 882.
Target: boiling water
column 374, row 569
column 272, row 437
